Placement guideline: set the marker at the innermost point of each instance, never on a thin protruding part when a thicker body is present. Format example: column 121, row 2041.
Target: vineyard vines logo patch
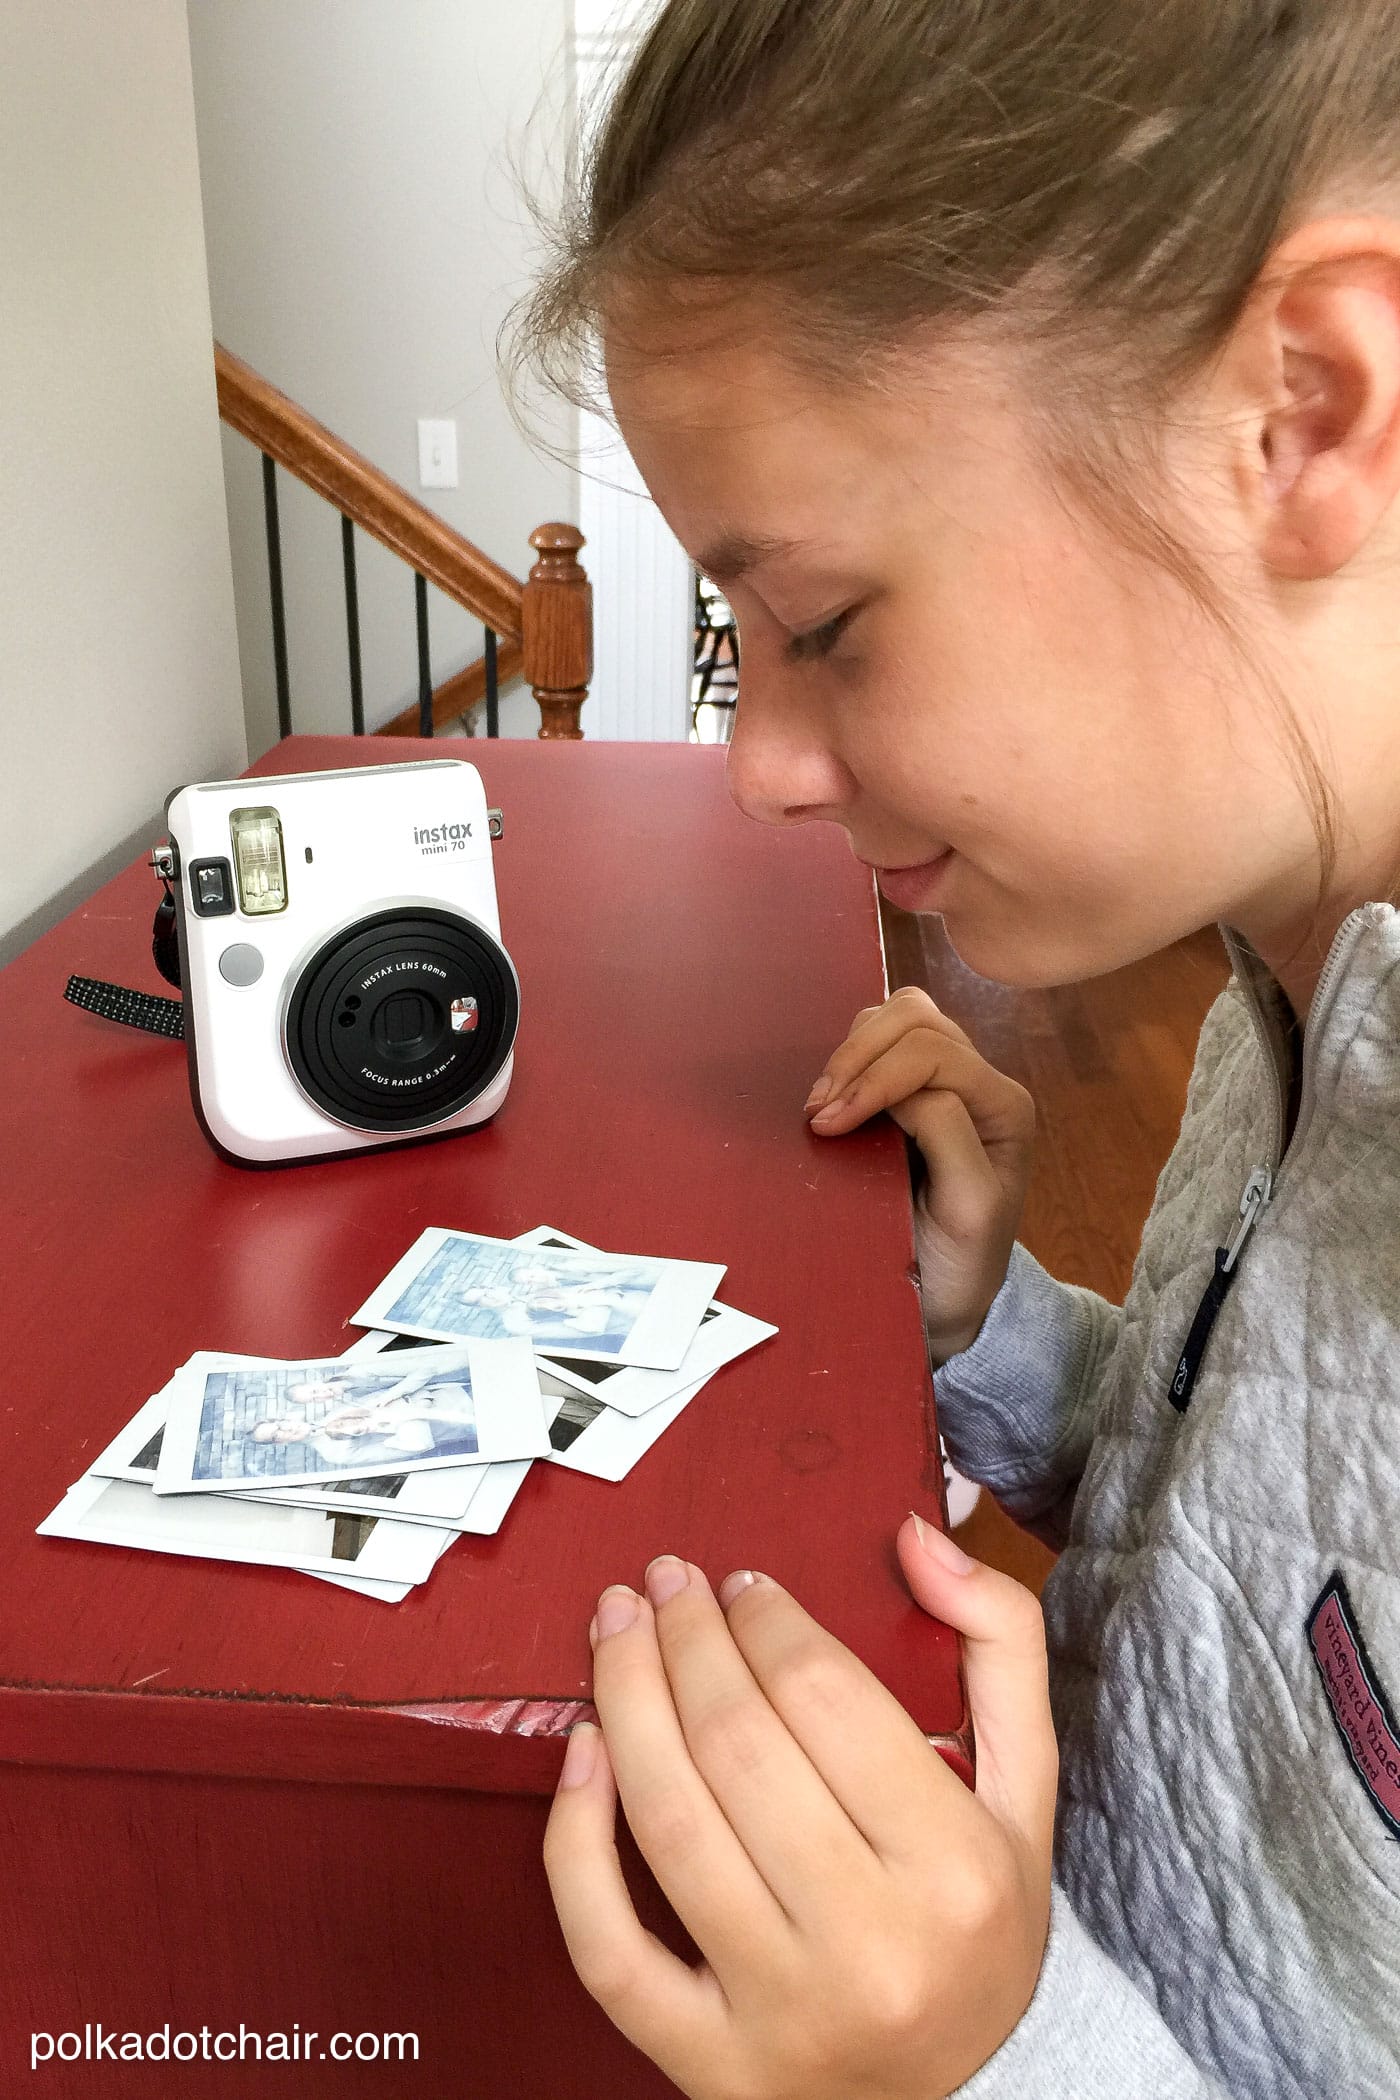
column 1359, row 1705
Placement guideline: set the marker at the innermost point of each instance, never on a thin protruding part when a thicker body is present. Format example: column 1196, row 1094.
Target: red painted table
column 233, row 1795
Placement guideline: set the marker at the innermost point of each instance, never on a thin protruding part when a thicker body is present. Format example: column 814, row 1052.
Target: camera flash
column 258, row 860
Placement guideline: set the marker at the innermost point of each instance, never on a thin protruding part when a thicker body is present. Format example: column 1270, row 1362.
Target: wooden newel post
column 557, row 629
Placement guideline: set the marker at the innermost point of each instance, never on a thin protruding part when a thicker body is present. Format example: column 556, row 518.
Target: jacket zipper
column 1260, row 1186
column 1257, row 1191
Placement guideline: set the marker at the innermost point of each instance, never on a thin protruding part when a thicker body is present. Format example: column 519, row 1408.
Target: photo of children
column 567, row 1301
column 268, row 1421
column 236, row 1423
column 430, row 1418
column 377, row 1486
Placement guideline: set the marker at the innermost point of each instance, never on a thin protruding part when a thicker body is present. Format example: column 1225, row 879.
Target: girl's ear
column 1324, row 324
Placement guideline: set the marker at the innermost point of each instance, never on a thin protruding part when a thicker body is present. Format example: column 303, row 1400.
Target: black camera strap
column 116, row 1002
column 144, row 1010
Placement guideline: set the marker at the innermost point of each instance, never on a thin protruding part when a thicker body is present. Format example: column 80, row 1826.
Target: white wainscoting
column 643, row 599
column 643, row 584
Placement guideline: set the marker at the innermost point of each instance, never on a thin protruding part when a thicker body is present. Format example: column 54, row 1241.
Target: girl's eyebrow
column 736, row 553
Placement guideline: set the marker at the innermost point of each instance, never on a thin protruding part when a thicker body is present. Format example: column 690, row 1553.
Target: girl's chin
column 1018, row 940
column 1021, row 959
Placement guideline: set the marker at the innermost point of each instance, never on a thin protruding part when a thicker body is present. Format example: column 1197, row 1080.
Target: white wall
column 365, row 238
column 119, row 669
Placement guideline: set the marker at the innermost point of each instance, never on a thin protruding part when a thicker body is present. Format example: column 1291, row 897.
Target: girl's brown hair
column 1101, row 180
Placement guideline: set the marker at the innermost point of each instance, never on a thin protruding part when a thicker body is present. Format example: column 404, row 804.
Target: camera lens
column 375, row 1032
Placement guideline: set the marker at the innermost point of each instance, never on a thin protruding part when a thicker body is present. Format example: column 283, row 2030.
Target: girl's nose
column 780, row 768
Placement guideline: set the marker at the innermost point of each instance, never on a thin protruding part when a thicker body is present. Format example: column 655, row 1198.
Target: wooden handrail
column 385, row 510
column 545, row 625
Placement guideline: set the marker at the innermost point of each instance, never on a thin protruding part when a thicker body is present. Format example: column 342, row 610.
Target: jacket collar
column 1361, row 968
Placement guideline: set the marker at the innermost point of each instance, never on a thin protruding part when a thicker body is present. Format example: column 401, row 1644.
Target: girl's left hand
column 868, row 1926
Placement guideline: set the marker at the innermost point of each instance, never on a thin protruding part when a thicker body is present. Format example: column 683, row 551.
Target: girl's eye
column 819, row 641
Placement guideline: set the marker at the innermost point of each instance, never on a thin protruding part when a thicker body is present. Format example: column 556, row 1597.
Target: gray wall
column 119, row 671
column 365, row 237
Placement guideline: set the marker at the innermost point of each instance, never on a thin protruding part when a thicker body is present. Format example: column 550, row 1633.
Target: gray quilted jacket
column 1224, row 1622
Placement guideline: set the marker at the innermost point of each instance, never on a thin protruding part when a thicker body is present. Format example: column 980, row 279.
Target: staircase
column 541, row 629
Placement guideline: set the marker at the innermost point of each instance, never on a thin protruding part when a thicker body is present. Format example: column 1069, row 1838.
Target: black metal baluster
column 493, row 722
column 279, row 611
column 425, row 676
column 352, row 628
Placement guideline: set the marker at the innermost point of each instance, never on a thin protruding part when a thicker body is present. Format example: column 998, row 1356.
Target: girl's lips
column 915, row 889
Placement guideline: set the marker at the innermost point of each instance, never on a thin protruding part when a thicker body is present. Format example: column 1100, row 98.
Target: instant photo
column 607, row 1308
column 723, row 1335
column 221, row 1527
column 416, row 1498
column 589, row 1437
column 235, row 1423
column 140, row 1443
column 437, row 1497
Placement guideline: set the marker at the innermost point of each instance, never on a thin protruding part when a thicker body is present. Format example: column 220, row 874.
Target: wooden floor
column 1107, row 1063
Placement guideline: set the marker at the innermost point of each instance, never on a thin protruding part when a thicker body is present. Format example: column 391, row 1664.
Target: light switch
column 437, row 453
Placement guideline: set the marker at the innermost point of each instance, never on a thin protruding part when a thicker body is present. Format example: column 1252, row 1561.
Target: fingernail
column 580, row 1755
column 665, row 1577
column 938, row 1546
column 617, row 1608
column 734, row 1585
column 818, row 1094
column 831, row 1111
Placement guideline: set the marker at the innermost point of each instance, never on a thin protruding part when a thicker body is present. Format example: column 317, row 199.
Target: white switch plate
column 437, row 453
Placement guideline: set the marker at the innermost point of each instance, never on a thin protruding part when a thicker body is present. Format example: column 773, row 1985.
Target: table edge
column 495, row 1746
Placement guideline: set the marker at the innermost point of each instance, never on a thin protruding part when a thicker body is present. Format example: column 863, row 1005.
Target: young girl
column 1028, row 374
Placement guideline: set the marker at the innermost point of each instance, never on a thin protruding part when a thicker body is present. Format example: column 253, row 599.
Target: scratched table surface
column 684, row 976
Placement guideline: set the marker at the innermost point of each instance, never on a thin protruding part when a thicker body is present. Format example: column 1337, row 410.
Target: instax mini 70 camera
column 341, row 964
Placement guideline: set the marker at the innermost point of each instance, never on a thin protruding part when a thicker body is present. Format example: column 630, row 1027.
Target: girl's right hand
column 974, row 1128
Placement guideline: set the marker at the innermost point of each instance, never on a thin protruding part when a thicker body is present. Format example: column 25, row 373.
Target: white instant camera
column 341, row 964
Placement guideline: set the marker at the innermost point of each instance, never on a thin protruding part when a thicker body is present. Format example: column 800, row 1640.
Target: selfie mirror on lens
column 341, row 965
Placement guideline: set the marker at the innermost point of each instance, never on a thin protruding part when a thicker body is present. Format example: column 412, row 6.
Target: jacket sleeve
column 1088, row 2034
column 1019, row 1407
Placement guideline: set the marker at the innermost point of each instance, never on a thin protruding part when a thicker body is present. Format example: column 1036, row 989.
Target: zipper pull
column 1257, row 1191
